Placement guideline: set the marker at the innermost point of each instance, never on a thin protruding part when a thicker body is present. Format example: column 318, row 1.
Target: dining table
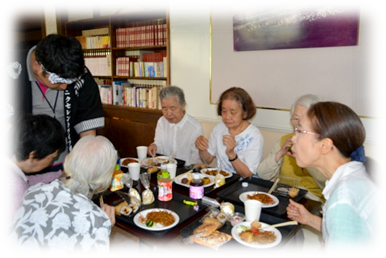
column 190, row 217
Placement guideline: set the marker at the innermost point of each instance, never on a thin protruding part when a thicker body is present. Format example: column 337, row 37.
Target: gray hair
column 90, row 164
column 305, row 101
column 171, row 91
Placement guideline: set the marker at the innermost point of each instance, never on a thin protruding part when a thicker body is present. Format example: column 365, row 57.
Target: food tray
column 176, row 204
column 287, row 232
column 232, row 193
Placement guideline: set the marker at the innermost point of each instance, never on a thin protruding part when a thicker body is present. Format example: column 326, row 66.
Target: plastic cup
column 141, row 152
column 134, row 170
column 252, row 210
column 172, row 169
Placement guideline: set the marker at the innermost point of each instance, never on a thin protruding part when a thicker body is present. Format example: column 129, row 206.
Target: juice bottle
column 196, row 188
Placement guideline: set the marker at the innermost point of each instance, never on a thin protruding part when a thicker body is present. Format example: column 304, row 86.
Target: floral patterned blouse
column 52, row 217
column 249, row 147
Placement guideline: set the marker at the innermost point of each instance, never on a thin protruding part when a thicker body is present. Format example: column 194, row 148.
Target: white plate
column 154, row 228
column 244, row 196
column 179, row 178
column 204, row 170
column 236, row 236
column 149, row 162
column 125, row 159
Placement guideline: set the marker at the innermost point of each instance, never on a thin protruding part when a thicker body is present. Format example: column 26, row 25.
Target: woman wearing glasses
column 280, row 161
column 330, row 138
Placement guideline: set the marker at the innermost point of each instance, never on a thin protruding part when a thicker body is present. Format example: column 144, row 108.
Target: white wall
column 190, row 70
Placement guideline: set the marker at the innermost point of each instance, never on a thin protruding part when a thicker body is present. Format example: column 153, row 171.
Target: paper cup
column 134, row 170
column 252, row 210
column 172, row 168
column 141, row 152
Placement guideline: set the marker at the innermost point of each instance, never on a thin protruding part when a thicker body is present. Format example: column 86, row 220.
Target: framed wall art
column 280, row 28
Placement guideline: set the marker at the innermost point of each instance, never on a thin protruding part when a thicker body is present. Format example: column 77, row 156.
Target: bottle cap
column 196, row 176
column 165, row 174
column 117, row 167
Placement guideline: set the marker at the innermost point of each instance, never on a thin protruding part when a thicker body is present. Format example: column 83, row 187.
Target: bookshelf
column 129, row 57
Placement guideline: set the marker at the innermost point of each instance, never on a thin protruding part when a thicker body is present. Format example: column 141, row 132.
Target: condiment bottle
column 196, row 188
column 165, row 187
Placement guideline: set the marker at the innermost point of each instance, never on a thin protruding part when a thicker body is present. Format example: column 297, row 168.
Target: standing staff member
column 57, row 83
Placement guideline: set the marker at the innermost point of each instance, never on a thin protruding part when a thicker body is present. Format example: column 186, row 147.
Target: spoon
column 288, row 223
column 274, row 185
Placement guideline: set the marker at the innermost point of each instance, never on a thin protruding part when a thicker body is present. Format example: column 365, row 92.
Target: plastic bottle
column 196, row 188
column 165, row 186
column 163, row 169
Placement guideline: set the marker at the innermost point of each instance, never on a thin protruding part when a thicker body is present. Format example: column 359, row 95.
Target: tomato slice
column 255, row 230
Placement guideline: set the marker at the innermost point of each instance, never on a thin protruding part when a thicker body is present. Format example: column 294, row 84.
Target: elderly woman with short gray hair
column 176, row 131
column 60, row 215
column 280, row 161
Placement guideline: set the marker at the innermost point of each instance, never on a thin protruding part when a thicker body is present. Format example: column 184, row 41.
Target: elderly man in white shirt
column 176, row 131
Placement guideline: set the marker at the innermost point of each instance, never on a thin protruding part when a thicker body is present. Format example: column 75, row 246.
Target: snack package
column 135, row 198
column 214, row 240
column 208, row 234
column 219, row 180
column 117, row 182
column 147, row 195
column 228, row 209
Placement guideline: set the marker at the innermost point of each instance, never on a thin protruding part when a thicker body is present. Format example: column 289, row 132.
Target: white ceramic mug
column 141, row 152
column 252, row 210
column 134, row 170
column 172, row 169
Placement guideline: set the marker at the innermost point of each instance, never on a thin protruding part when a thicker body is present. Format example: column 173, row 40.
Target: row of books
column 133, row 93
column 130, row 66
column 92, row 42
column 149, row 35
column 98, row 62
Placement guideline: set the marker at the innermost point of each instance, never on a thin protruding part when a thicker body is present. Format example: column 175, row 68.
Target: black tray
column 176, row 204
column 232, row 193
column 287, row 232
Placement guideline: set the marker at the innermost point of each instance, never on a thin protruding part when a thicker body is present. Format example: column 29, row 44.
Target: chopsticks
column 274, row 185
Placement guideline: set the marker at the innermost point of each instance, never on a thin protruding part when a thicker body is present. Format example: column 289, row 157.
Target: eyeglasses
column 297, row 130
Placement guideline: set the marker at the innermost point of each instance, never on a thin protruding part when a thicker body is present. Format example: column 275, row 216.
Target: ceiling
column 24, row 17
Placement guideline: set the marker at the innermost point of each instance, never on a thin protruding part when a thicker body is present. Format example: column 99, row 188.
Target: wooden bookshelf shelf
column 127, row 126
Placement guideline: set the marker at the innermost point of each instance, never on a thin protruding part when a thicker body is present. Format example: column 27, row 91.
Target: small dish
column 237, row 218
column 126, row 210
column 124, row 162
